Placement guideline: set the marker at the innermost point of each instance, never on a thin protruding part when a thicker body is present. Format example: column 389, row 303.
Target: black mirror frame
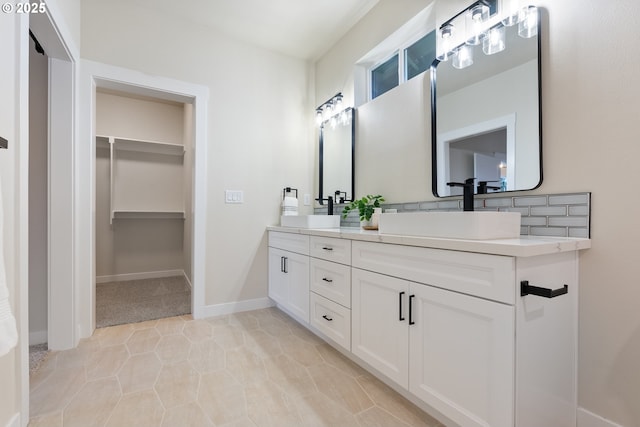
column 321, row 197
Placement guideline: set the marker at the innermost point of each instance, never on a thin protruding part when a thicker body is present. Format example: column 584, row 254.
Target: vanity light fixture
column 332, row 111
column 457, row 37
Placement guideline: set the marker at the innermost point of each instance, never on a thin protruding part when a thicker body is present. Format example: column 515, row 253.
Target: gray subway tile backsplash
column 561, row 215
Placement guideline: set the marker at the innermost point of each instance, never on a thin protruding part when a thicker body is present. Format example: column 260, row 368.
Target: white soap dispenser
column 289, row 202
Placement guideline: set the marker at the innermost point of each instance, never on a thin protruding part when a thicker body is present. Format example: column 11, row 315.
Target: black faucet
column 329, row 201
column 467, row 193
column 483, row 187
column 340, row 196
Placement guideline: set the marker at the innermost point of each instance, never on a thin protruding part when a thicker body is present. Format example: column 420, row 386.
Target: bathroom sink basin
column 310, row 221
column 477, row 225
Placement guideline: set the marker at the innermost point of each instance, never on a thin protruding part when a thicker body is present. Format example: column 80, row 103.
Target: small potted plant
column 367, row 206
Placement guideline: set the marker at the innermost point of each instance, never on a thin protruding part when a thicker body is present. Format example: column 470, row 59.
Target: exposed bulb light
column 476, row 18
column 495, row 41
column 319, row 116
column 528, row 26
column 463, row 57
column 333, row 112
column 445, row 35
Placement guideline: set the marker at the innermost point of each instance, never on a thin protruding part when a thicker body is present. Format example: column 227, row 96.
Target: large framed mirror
column 336, row 158
column 486, row 115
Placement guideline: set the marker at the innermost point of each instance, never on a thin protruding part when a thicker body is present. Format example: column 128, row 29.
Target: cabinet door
column 380, row 333
column 277, row 277
column 462, row 356
column 296, row 269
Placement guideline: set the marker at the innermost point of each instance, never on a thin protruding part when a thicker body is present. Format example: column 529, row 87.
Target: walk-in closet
column 143, row 200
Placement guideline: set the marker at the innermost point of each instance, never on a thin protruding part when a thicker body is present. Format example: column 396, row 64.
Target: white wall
column 259, row 127
column 38, row 182
column 137, row 245
column 590, row 103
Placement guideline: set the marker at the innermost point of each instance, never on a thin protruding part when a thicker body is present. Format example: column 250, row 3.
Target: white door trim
column 97, row 75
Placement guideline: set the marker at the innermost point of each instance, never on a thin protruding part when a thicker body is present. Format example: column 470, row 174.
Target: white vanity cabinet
column 331, row 288
column 458, row 351
column 289, row 273
column 450, row 323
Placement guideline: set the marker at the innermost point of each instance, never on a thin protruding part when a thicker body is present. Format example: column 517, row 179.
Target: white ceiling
column 300, row 28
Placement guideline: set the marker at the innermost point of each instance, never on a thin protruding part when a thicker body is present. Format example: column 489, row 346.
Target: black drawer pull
column 327, row 248
column 327, row 280
column 286, row 265
column 327, row 318
column 400, row 316
column 411, row 297
column 527, row 289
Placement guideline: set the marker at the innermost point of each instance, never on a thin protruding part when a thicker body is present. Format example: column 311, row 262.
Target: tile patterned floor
column 257, row 368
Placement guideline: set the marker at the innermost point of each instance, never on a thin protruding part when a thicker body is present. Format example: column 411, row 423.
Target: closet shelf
column 140, row 145
column 123, row 214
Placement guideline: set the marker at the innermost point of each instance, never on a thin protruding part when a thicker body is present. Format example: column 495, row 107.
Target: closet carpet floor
column 136, row 301
column 253, row 369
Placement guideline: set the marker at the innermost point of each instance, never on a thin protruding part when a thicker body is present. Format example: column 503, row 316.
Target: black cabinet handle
column 327, row 248
column 286, row 266
column 527, row 289
column 411, row 297
column 327, row 280
column 327, row 318
column 281, row 264
column 400, row 316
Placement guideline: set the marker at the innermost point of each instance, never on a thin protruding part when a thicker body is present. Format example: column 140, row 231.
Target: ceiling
column 300, row 28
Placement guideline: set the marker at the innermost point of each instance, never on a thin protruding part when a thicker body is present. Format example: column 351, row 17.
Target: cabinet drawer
column 486, row 276
column 331, row 249
column 331, row 319
column 331, row 280
column 298, row 243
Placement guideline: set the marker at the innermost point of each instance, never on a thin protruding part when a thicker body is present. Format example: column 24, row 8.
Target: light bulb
column 476, row 18
column 328, row 111
column 338, row 103
column 463, row 57
column 319, row 116
column 444, row 42
column 528, row 26
column 495, row 41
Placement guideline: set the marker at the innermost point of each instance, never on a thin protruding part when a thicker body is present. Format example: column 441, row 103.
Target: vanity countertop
column 524, row 246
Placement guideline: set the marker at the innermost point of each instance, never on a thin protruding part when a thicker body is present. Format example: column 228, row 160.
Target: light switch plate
column 233, row 196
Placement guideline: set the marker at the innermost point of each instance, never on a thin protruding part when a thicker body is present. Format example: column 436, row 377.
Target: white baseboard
column 14, row 421
column 589, row 419
column 38, row 337
column 234, row 307
column 139, row 276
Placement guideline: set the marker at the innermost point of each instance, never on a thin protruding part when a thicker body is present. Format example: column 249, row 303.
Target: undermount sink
column 310, row 221
column 477, row 225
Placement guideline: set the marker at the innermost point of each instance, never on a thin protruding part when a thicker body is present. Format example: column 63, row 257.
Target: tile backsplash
column 561, row 215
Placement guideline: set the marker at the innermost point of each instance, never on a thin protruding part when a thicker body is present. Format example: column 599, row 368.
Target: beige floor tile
column 249, row 369
column 50, row 420
column 269, row 406
column 106, row 362
column 92, row 406
column 291, row 376
column 173, row 348
column 222, row 398
column 143, row 340
column 197, row 330
column 177, row 384
column 245, row 365
column 139, row 372
column 56, row 391
column 384, row 397
column 317, row 410
column 207, row 356
column 189, row 415
column 142, row 409
column 340, row 388
column 377, row 417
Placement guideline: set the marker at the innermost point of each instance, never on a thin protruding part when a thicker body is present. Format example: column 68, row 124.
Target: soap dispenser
column 289, row 201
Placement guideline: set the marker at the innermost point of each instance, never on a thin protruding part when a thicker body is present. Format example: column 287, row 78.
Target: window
column 384, row 77
column 409, row 61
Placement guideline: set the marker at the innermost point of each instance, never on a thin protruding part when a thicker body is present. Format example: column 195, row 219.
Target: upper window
column 409, row 61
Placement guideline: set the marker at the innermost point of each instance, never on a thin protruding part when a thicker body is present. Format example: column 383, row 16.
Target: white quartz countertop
column 524, row 246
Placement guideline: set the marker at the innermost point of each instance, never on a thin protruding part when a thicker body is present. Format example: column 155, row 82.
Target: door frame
column 94, row 75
